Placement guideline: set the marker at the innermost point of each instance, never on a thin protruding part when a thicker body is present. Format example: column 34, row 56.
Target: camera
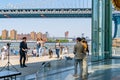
column 8, row 44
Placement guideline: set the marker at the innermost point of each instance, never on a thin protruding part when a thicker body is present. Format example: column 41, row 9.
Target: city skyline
column 13, row 35
column 55, row 27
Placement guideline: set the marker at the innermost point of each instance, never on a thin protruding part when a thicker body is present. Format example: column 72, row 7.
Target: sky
column 54, row 26
column 45, row 3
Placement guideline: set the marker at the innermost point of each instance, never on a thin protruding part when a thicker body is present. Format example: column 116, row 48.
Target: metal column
column 108, row 29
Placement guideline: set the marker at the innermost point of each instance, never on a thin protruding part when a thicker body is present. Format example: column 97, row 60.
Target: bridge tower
column 101, row 29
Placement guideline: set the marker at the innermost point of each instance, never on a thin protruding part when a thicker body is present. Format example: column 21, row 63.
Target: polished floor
column 62, row 70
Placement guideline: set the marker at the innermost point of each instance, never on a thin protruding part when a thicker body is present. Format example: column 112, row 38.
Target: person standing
column 38, row 46
column 34, row 52
column 2, row 54
column 57, row 48
column 78, row 56
column 23, row 51
column 42, row 48
column 50, row 53
column 85, row 65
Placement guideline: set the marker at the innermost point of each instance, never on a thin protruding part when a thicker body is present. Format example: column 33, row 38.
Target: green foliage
column 51, row 40
column 0, row 37
column 64, row 40
column 61, row 40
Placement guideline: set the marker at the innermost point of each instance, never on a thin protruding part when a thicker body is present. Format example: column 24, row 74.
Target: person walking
column 23, row 51
column 78, row 56
column 57, row 48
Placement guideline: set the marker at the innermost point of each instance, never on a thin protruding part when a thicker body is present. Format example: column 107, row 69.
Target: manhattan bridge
column 102, row 13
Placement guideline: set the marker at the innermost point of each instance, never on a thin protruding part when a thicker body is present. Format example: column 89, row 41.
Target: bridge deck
column 49, row 13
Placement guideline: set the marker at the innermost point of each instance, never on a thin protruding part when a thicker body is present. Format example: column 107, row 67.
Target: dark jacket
column 23, row 45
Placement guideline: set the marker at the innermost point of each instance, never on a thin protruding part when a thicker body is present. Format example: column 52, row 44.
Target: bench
column 9, row 74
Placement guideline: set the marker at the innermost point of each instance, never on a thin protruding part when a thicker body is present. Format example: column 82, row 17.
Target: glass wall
column 98, row 30
column 101, row 30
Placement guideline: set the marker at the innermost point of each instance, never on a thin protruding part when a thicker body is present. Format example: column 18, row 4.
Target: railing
column 116, row 51
column 46, row 11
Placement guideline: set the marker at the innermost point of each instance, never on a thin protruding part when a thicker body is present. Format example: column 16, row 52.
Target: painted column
column 108, row 29
column 95, row 34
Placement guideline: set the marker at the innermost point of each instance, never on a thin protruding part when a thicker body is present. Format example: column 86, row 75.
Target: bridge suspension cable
column 83, row 3
column 87, row 3
column 48, row 4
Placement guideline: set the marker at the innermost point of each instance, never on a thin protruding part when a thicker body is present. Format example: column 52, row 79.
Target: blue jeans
column 78, row 61
column 57, row 53
column 38, row 50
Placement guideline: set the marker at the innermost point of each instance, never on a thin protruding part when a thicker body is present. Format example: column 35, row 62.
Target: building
column 66, row 34
column 44, row 37
column 20, row 36
column 13, row 34
column 47, row 35
column 39, row 35
column 116, row 42
column 28, row 36
column 33, row 35
column 5, row 34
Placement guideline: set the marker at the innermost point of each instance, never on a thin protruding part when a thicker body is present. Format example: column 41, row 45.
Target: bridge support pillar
column 101, row 29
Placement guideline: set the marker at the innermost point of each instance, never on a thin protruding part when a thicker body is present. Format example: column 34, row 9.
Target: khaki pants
column 85, row 67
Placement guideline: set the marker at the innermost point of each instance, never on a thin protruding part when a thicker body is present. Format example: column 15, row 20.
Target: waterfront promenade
column 33, row 63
